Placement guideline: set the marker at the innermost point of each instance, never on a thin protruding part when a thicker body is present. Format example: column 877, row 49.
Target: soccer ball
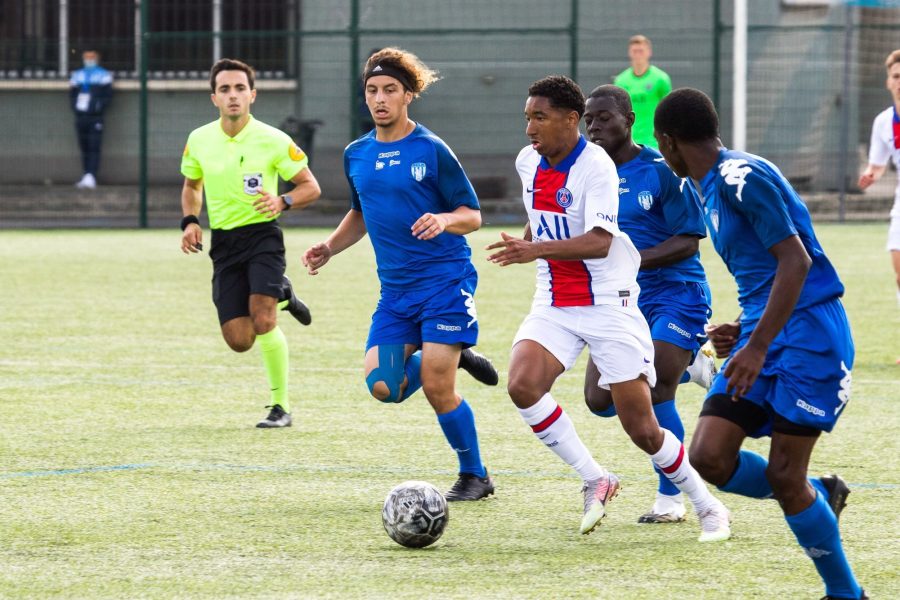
column 415, row 514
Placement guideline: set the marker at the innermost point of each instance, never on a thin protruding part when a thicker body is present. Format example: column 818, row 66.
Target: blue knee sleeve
column 609, row 412
column 390, row 370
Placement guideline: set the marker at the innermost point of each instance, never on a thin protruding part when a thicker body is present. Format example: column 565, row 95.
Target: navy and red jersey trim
column 896, row 124
column 570, row 283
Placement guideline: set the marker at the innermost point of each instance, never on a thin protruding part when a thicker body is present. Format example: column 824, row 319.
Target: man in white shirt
column 586, row 295
column 886, row 145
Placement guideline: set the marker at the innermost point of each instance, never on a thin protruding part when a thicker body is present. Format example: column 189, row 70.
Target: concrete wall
column 794, row 86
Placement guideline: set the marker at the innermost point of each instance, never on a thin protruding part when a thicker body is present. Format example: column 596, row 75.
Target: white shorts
column 618, row 338
column 893, row 241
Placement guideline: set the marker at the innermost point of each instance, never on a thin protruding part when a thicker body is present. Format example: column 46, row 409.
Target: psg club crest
column 418, row 171
column 645, row 199
column 564, row 197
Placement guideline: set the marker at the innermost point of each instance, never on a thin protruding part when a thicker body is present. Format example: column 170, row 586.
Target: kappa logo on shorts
column 813, row 410
column 470, row 307
column 442, row 327
column 844, row 393
column 679, row 330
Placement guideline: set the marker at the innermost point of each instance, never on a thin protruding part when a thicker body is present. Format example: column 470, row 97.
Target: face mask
column 90, row 63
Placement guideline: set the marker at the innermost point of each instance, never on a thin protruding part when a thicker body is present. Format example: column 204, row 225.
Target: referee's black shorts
column 246, row 260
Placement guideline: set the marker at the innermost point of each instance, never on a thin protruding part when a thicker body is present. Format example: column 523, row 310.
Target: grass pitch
column 130, row 465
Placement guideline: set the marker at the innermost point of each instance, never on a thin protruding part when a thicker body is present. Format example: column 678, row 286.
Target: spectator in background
column 90, row 91
column 646, row 84
column 886, row 145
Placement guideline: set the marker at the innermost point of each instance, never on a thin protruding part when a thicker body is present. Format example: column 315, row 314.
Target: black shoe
column 470, row 487
column 478, row 366
column 277, row 418
column 838, row 490
column 863, row 597
column 295, row 305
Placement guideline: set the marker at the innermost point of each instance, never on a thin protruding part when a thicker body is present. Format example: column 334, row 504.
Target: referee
column 239, row 160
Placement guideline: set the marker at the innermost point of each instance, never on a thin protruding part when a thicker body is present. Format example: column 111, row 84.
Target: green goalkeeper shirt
column 646, row 91
column 234, row 169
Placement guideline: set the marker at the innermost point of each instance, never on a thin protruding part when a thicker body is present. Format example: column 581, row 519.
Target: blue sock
column 749, row 478
column 413, row 370
column 685, row 377
column 668, row 418
column 459, row 429
column 817, row 533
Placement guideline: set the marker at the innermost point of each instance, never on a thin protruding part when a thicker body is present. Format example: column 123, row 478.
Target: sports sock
column 816, row 529
column 555, row 429
column 413, row 370
column 274, row 348
column 668, row 418
column 607, row 413
column 749, row 477
column 673, row 461
column 685, row 377
column 459, row 429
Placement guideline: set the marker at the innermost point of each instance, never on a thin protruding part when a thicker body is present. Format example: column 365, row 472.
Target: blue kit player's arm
column 681, row 210
column 462, row 213
column 761, row 202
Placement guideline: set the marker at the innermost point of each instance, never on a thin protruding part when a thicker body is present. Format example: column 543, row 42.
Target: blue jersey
column 654, row 205
column 395, row 183
column 749, row 207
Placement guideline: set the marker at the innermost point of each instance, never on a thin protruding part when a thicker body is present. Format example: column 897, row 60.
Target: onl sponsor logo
column 810, row 408
column 679, row 330
column 389, row 154
column 645, row 199
column 564, row 197
column 418, row 171
column 442, row 327
column 608, row 218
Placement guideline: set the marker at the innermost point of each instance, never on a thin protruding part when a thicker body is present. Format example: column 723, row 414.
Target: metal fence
column 815, row 82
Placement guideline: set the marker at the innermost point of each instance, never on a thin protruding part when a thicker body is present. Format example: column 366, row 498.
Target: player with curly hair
column 411, row 195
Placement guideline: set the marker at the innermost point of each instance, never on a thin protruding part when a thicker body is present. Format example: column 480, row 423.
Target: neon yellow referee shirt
column 233, row 169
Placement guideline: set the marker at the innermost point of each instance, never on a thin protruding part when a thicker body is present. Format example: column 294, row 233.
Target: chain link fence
column 816, row 80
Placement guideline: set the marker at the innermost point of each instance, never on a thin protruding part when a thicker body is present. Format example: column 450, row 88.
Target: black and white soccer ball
column 415, row 514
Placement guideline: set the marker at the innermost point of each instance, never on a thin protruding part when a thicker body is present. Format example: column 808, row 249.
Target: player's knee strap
column 390, row 371
column 608, row 412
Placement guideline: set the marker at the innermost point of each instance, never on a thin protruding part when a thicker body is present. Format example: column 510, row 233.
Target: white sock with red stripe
column 555, row 429
column 673, row 462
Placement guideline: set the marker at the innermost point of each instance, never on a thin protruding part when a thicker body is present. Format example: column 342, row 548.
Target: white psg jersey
column 566, row 201
column 885, row 145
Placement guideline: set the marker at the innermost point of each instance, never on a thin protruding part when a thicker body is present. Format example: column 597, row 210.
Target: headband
column 391, row 71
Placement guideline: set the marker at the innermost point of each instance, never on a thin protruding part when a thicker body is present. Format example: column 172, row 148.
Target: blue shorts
column 443, row 315
column 806, row 376
column 677, row 312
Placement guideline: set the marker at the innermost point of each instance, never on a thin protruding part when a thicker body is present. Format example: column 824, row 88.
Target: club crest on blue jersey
column 418, row 171
column 645, row 199
column 714, row 219
column 564, row 197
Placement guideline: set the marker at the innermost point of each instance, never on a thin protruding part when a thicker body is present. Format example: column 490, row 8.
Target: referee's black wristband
column 188, row 220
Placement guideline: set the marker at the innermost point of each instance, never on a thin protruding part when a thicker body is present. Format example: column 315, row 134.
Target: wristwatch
column 288, row 202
